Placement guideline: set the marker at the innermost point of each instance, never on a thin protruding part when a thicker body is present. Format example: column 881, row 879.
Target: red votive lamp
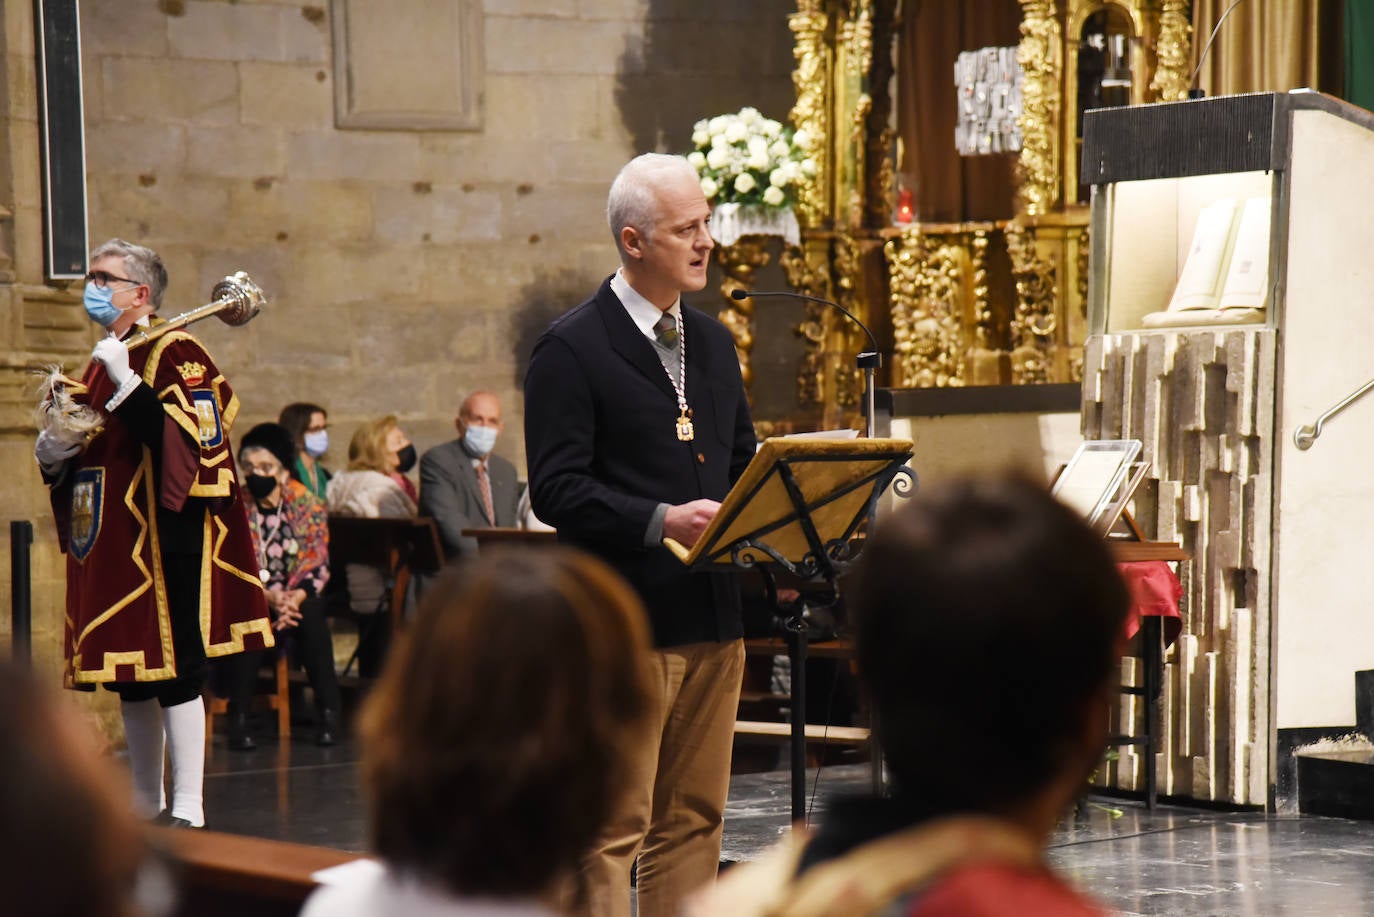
column 905, row 211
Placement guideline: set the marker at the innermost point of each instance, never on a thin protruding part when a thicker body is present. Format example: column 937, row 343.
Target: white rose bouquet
column 746, row 158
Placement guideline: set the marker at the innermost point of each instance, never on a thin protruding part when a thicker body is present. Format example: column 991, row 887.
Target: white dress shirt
column 642, row 312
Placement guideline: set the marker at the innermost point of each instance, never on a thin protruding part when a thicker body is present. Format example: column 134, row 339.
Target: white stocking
column 186, row 736
column 143, row 731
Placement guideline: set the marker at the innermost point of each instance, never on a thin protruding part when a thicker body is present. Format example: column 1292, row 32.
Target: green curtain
column 1359, row 52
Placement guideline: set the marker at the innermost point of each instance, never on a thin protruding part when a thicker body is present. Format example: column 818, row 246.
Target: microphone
column 1195, row 91
column 873, row 354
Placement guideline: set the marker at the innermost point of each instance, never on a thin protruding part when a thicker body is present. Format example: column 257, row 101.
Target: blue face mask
column 317, row 443
column 100, row 305
column 479, row 440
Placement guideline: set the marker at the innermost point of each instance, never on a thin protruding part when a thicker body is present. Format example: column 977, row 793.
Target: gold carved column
column 738, row 262
column 1040, row 56
column 842, row 76
column 1173, row 51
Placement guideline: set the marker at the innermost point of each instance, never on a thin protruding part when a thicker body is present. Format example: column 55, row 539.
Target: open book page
column 824, row 434
column 1247, row 278
column 1199, row 285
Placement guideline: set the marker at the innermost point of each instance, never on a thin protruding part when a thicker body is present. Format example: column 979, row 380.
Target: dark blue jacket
column 603, row 452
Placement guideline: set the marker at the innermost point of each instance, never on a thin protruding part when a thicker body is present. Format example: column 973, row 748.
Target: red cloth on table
column 1155, row 591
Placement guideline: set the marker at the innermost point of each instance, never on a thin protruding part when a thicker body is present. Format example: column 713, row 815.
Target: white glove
column 112, row 353
column 52, row 449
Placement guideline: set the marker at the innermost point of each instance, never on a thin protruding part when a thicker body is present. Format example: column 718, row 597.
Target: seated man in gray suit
column 462, row 484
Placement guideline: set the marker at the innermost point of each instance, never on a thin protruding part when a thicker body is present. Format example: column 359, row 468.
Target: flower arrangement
column 746, row 158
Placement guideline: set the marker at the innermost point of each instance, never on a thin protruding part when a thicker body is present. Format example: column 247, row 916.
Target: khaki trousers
column 673, row 811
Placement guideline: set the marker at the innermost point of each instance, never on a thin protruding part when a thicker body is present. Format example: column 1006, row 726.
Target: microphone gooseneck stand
column 868, row 361
column 1195, row 90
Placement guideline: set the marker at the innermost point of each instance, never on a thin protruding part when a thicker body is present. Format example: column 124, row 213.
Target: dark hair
column 295, row 417
column 68, row 844
column 274, row 438
column 988, row 618
column 495, row 743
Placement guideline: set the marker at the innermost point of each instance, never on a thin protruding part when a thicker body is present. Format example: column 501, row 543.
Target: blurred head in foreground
column 68, row 843
column 494, row 743
column 989, row 623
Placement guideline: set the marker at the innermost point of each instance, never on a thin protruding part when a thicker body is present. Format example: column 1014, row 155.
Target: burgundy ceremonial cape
column 118, row 626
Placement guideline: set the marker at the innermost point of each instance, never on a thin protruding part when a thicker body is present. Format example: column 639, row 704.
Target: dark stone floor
column 1174, row 861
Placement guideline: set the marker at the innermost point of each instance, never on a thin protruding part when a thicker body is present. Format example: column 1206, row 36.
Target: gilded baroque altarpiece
column 925, row 287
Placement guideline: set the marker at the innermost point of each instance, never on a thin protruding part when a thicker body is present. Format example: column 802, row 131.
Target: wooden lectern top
column 835, row 477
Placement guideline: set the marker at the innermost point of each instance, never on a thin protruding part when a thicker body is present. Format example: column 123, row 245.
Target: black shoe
column 239, row 738
column 175, row 822
column 326, row 726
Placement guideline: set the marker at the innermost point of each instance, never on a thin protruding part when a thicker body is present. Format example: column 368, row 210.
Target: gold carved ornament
column 738, row 262
column 1173, row 51
column 927, row 280
column 805, row 277
column 810, row 79
column 1033, row 322
column 880, row 160
column 1081, row 266
column 985, row 328
column 848, row 284
column 858, row 130
column 1038, row 55
column 856, row 48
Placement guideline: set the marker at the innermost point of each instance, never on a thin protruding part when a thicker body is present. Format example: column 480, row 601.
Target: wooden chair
column 279, row 700
column 400, row 548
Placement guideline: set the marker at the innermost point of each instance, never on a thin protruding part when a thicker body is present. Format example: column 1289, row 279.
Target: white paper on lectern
column 824, row 434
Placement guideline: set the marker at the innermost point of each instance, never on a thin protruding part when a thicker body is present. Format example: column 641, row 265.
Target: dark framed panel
column 63, row 131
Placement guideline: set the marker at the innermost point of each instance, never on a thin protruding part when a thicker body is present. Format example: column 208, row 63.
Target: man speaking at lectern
column 636, row 426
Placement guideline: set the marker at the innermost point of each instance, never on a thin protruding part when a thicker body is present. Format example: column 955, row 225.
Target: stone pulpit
column 1231, row 306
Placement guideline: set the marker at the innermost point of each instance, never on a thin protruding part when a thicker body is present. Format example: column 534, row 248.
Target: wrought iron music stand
column 798, row 506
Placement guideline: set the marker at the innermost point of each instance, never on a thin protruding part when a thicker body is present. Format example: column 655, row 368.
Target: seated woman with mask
column 375, row 484
column 373, row 487
column 291, row 537
column 308, row 425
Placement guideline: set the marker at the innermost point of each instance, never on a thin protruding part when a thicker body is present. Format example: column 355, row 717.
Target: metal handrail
column 1305, row 436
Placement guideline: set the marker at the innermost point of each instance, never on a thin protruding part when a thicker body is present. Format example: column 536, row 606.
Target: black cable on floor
column 820, row 765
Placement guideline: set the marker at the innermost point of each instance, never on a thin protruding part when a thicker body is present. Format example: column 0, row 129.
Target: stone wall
column 404, row 267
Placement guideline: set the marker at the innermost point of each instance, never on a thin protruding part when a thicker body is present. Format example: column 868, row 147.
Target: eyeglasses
column 266, row 469
column 103, row 279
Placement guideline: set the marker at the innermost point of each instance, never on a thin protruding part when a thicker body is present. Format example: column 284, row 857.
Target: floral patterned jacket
column 295, row 550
